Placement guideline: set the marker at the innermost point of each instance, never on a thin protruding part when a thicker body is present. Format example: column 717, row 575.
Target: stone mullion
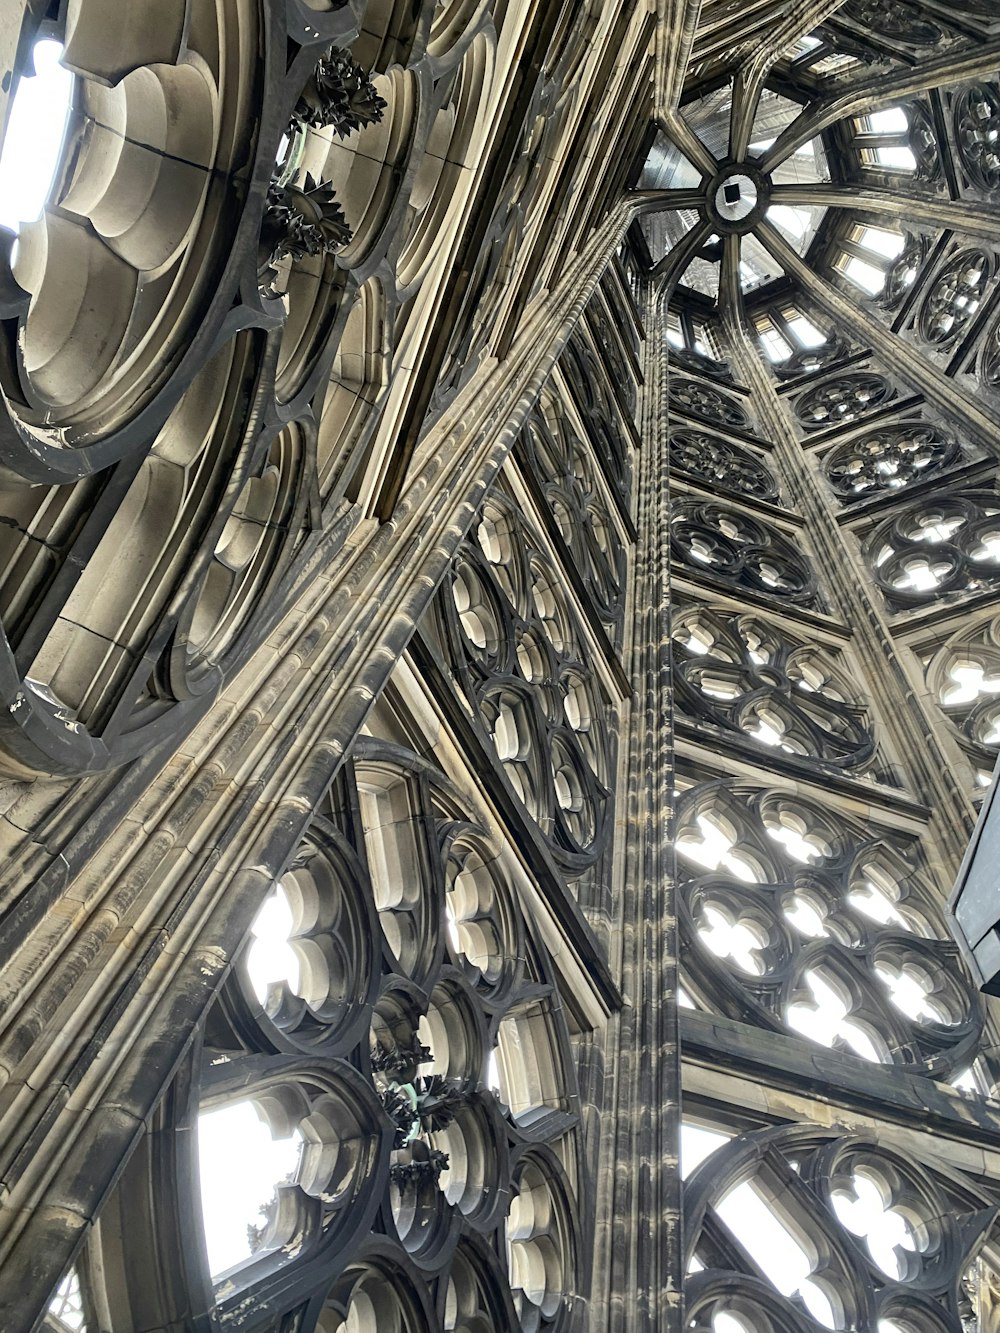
column 870, row 94
column 668, row 271
column 750, row 76
column 683, row 137
column 858, row 606
column 676, row 28
column 148, row 924
column 899, row 357
column 644, row 1235
column 660, row 201
column 967, row 216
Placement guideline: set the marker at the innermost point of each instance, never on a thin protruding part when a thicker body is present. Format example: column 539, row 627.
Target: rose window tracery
column 373, row 1119
column 866, row 1235
column 955, row 297
column 517, row 649
column 938, row 548
column 837, row 401
column 744, row 552
column 705, row 401
column 720, row 463
column 800, row 920
column 888, row 460
column 747, row 677
column 976, row 118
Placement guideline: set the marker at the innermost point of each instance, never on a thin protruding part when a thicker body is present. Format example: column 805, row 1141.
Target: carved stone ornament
column 339, row 94
column 300, row 221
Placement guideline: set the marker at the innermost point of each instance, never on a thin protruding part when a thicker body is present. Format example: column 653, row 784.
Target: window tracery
column 430, row 1129
column 889, row 459
column 955, row 296
column 964, row 678
column 941, row 547
column 903, row 271
column 842, row 399
column 801, row 920
column 865, row 1236
column 708, row 403
column 744, row 552
column 515, row 644
column 565, row 464
column 746, row 675
column 976, row 120
column 154, row 506
column 899, row 139
column 720, row 462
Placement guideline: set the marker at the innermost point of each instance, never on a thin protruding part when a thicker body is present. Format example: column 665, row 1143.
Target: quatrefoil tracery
column 865, row 1235
column 798, row 920
column 938, row 548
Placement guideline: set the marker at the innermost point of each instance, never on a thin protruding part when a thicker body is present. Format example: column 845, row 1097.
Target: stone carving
column 300, row 220
column 339, row 94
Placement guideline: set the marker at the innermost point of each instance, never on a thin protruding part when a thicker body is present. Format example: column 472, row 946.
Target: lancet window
column 866, row 254
column 898, row 139
column 802, row 920
column 751, row 678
